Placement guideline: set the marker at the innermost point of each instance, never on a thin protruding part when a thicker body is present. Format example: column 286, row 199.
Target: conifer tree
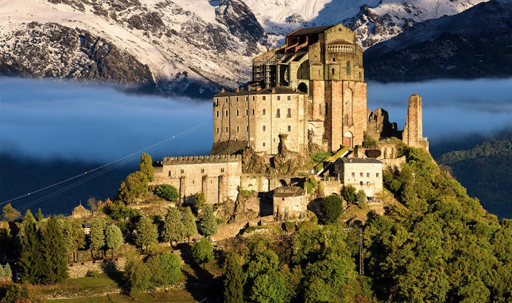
column 97, row 234
column 10, row 213
column 135, row 186
column 170, row 267
column 113, row 237
column 189, row 223
column 147, row 233
column 52, row 255
column 7, row 271
column 30, row 259
column 146, row 167
column 208, row 222
column 2, row 272
column 173, row 227
column 233, row 281
column 39, row 215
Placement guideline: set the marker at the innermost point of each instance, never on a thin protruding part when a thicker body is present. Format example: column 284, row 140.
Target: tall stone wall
column 218, row 177
column 413, row 130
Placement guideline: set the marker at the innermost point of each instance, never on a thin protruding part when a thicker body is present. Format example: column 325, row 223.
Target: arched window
column 345, row 119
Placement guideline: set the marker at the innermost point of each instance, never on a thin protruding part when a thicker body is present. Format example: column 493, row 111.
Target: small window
column 226, row 99
column 238, row 129
column 264, row 98
column 253, row 111
column 264, row 128
column 237, row 112
column 217, row 113
column 222, row 170
column 333, row 71
column 333, row 59
column 227, row 129
column 247, row 98
column 202, row 170
column 368, row 183
column 377, row 175
column 278, row 98
column 361, row 175
column 218, row 130
column 353, row 174
column 247, row 128
column 278, row 115
column 247, row 112
column 289, row 128
column 169, row 173
column 289, row 115
column 264, row 112
column 264, row 144
column 226, row 113
column 368, row 175
column 289, row 98
column 253, row 98
column 360, row 182
column 217, row 100
column 182, row 171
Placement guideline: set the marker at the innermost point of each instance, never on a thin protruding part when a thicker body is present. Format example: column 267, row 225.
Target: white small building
column 365, row 174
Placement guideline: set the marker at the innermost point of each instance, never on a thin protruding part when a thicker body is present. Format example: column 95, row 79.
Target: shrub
column 168, row 192
column 92, row 273
column 332, row 207
column 349, row 193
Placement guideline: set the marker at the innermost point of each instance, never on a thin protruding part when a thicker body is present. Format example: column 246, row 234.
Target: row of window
column 362, row 175
column 254, row 98
column 264, row 112
column 202, row 171
column 217, row 130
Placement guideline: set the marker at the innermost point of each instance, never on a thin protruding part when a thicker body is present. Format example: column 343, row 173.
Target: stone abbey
column 306, row 96
column 312, row 90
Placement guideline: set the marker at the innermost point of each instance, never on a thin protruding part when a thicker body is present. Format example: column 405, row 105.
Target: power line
column 100, row 170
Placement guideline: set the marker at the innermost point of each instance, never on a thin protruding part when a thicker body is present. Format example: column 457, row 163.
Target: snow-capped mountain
column 473, row 44
column 182, row 46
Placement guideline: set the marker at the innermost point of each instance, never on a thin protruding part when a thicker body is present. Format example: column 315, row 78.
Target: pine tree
column 52, row 255
column 208, row 223
column 113, row 237
column 39, row 215
column 146, row 167
column 29, row 260
column 97, row 234
column 189, row 224
column 147, row 233
column 173, row 227
column 233, row 281
column 7, row 271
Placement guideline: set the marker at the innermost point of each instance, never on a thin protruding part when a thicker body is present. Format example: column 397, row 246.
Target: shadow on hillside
column 200, row 283
column 110, row 268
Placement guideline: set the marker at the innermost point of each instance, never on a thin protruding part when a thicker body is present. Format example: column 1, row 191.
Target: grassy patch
column 181, row 296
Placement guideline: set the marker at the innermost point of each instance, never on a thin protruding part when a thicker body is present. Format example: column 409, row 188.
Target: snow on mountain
column 189, row 46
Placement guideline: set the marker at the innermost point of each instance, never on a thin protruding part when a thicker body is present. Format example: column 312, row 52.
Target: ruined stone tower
column 413, row 130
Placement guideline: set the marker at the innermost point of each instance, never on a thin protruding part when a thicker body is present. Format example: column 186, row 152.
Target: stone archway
column 348, row 139
column 303, row 87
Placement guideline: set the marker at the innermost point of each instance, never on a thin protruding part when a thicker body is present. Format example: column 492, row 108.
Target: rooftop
column 265, row 91
column 360, row 160
column 310, row 31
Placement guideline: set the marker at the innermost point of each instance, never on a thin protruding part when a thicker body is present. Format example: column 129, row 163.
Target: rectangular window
column 182, row 171
column 289, row 98
column 264, row 112
column 289, row 115
column 217, row 113
column 247, row 112
column 169, row 173
column 278, row 115
column 226, row 129
column 264, row 128
column 353, row 174
column 377, row 175
column 237, row 112
column 236, row 99
column 238, row 129
column 263, row 143
column 252, row 98
column 222, row 170
column 361, row 175
column 289, row 128
column 218, row 130
column 360, row 182
column 202, row 170
column 278, row 98
column 253, row 111
column 247, row 128
column 368, row 175
column 226, row 99
column 247, row 98
column 264, row 98
column 226, row 113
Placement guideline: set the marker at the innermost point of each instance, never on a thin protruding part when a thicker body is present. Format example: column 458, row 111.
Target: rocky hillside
column 181, row 46
column 474, row 44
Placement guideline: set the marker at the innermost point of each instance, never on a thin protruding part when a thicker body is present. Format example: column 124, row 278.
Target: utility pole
column 361, row 258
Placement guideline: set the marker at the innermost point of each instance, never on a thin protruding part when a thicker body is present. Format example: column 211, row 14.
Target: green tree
column 39, row 215
column 7, row 270
column 173, row 227
column 349, row 193
column 97, row 234
column 361, row 197
column 135, row 186
column 156, row 278
column 170, row 267
column 137, row 275
column 269, row 288
column 93, row 205
column 55, row 268
column 146, row 167
column 199, row 200
column 2, row 272
column 234, row 280
column 332, row 207
column 113, row 237
column 147, row 233
column 208, row 222
column 30, row 256
column 74, row 237
column 10, row 213
column 202, row 251
column 168, row 192
column 189, row 223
